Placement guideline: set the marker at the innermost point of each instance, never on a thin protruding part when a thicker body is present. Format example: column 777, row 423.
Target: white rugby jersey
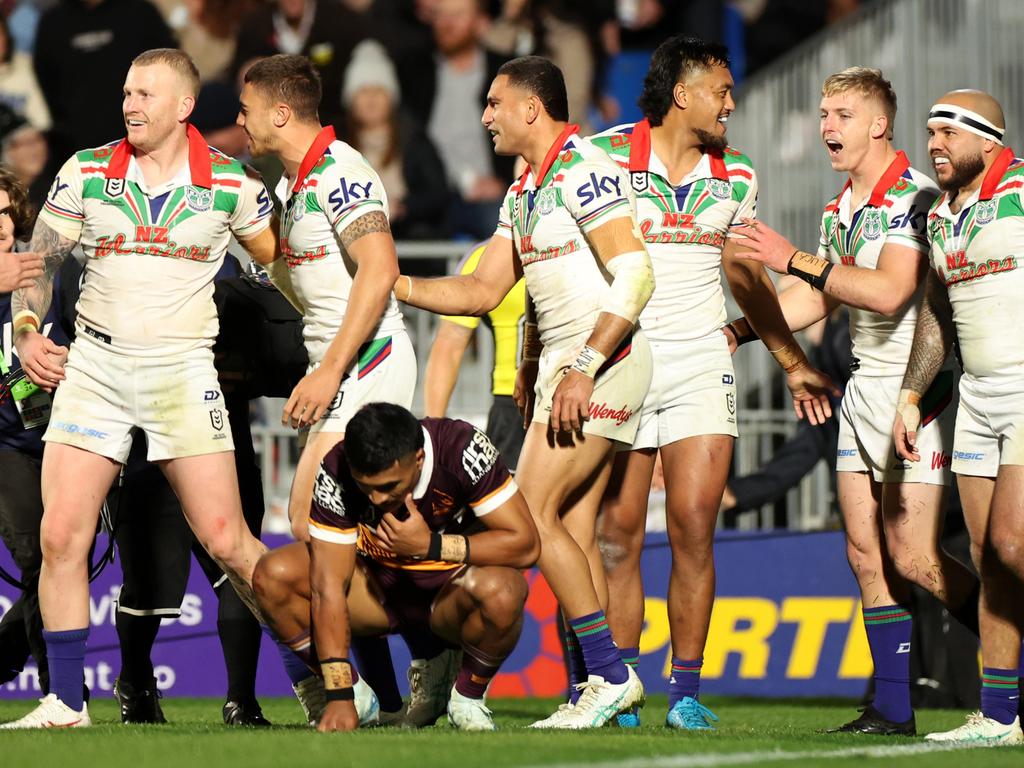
column 152, row 254
column 685, row 227
column 896, row 212
column 579, row 189
column 975, row 254
column 333, row 187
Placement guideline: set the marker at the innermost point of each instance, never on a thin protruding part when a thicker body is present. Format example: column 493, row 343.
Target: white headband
column 953, row 114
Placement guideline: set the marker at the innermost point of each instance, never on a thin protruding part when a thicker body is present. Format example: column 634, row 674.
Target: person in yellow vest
column 504, row 422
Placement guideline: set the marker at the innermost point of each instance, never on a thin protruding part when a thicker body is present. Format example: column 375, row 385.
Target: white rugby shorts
column 619, row 388
column 865, row 430
column 176, row 401
column 989, row 426
column 384, row 372
column 693, row 392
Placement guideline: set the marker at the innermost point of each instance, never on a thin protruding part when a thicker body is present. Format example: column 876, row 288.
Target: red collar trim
column 640, row 153
column 199, row 164
column 885, row 183
column 995, row 174
column 316, row 151
column 549, row 158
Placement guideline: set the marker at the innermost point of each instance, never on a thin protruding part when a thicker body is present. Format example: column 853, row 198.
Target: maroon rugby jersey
column 463, row 479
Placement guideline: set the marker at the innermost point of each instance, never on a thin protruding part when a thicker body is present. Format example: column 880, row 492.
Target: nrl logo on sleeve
column 198, row 199
column 639, row 181
column 872, row 224
column 546, row 201
column 113, row 187
column 721, row 189
column 986, row 212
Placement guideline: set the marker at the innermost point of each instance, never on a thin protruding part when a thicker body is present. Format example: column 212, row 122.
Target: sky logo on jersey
column 912, row 219
column 348, row 193
column 598, row 187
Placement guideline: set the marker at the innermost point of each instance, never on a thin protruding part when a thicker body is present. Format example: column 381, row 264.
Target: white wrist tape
column 588, row 361
column 632, row 284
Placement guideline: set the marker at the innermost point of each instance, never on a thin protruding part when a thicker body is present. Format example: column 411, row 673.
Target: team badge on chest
column 986, row 212
column 720, row 189
column 639, row 181
column 198, row 199
column 298, row 207
column 113, row 187
column 546, row 201
column 872, row 224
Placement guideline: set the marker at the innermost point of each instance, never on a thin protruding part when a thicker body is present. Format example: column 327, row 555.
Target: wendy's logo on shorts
column 217, row 419
column 604, row 412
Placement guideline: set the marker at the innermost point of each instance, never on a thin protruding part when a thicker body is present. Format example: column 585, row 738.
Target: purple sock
column 577, row 666
column 999, row 694
column 295, row 666
column 476, row 672
column 684, row 680
column 630, row 656
column 65, row 653
column 599, row 651
column 888, row 630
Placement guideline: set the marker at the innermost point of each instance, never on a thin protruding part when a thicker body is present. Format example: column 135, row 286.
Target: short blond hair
column 867, row 82
column 179, row 61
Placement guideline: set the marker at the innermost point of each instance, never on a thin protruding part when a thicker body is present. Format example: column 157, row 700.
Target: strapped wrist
column 908, row 397
column 588, row 361
column 789, row 357
column 25, row 321
column 742, row 331
column 337, row 673
column 813, row 270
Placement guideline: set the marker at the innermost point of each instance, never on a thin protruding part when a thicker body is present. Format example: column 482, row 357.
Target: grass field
column 751, row 732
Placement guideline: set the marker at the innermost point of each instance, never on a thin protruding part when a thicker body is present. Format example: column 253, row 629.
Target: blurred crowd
column 404, row 80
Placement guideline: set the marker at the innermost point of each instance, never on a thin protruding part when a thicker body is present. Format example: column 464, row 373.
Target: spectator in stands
column 206, row 31
column 450, row 98
column 18, row 87
column 324, row 30
column 645, row 23
column 404, row 27
column 567, row 32
column 23, row 149
column 214, row 116
column 394, row 144
column 83, row 51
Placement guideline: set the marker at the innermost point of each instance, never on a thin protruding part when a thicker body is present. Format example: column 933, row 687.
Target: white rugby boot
column 556, row 717
column 430, row 680
column 313, row 698
column 601, row 701
column 52, row 713
column 981, row 730
column 367, row 705
column 468, row 714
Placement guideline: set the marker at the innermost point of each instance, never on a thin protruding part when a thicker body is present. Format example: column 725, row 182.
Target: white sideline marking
column 766, row 756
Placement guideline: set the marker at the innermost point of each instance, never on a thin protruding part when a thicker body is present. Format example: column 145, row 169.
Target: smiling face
column 506, row 116
column 957, row 155
column 708, row 105
column 387, row 490
column 850, row 122
column 156, row 103
column 256, row 117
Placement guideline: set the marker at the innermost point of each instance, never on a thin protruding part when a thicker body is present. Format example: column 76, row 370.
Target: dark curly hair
column 673, row 62
column 20, row 208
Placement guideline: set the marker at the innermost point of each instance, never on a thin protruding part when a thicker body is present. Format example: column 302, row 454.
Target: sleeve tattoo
column 54, row 248
column 933, row 336
column 365, row 225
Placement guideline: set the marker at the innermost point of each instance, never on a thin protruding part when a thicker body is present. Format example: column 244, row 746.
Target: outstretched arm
column 40, row 357
column 933, row 338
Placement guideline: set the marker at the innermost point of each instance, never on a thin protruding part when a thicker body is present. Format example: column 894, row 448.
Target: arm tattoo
column 933, row 336
column 53, row 247
column 365, row 225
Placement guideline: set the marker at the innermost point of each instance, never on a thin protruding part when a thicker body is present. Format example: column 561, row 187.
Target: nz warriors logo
column 546, row 201
column 720, row 189
column 986, row 212
column 198, row 199
column 872, row 224
column 298, row 207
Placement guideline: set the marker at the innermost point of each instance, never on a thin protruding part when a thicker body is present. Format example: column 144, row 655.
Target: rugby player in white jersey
column 336, row 244
column 974, row 298
column 690, row 189
column 872, row 257
column 568, row 226
column 154, row 214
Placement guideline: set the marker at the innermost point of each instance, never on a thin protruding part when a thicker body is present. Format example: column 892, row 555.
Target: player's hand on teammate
column 311, row 398
column 42, row 359
column 763, row 244
column 19, row 270
column 904, row 431
column 409, row 537
column 570, row 406
column 523, row 390
column 338, row 716
column 810, row 389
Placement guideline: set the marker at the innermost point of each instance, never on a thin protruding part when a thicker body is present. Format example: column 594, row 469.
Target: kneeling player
column 441, row 528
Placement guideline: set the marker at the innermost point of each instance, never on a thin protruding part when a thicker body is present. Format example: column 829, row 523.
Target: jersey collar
column 199, row 164
column 549, row 158
column 995, row 174
column 316, row 150
column 892, row 174
column 428, row 466
column 640, row 153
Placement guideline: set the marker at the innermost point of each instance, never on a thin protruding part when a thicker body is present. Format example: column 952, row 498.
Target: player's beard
column 710, row 141
column 965, row 169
